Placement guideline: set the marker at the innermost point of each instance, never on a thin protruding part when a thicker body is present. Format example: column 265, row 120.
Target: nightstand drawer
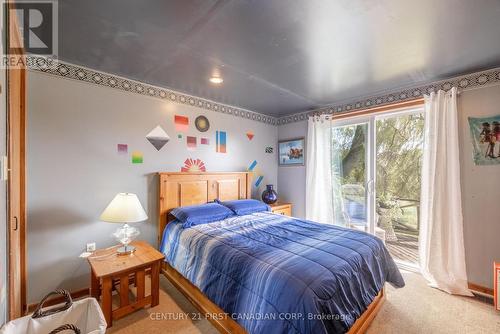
column 282, row 209
column 286, row 211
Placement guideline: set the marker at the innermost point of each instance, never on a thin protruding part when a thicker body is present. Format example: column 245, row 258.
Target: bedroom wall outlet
column 91, row 247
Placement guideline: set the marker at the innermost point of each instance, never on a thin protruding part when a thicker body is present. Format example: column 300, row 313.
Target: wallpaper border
column 80, row 73
column 463, row 82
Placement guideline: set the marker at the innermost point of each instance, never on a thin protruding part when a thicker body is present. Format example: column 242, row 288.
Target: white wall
column 292, row 179
column 480, row 190
column 480, row 186
column 74, row 169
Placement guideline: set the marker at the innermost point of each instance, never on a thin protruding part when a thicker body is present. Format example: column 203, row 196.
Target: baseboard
column 480, row 289
column 60, row 299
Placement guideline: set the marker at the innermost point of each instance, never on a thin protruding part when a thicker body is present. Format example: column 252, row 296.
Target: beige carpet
column 414, row 309
column 417, row 308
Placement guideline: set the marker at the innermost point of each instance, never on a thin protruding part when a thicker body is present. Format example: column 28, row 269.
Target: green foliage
column 349, row 146
column 399, row 156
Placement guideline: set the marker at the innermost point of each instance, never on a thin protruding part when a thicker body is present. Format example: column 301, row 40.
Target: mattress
column 278, row 274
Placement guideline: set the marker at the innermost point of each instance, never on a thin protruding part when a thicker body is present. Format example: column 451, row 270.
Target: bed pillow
column 201, row 214
column 243, row 207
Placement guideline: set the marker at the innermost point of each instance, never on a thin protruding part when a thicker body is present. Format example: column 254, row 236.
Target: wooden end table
column 112, row 271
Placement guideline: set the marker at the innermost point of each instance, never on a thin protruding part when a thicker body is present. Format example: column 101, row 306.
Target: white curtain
column 319, row 192
column 442, row 254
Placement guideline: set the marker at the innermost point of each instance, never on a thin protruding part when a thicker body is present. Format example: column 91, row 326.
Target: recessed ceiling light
column 216, row 80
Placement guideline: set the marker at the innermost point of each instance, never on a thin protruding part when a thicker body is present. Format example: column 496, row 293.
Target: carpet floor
column 416, row 308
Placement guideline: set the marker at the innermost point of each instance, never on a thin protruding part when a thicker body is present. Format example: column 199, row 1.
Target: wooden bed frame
column 180, row 189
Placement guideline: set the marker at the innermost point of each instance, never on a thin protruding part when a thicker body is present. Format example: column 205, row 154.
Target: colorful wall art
column 191, row 143
column 122, row 148
column 259, row 180
column 291, row 152
column 485, row 134
column 202, row 123
column 181, row 123
column 250, row 135
column 137, row 157
column 193, row 165
column 269, row 149
column 204, row 141
column 252, row 166
column 257, row 175
column 158, row 137
column 220, row 141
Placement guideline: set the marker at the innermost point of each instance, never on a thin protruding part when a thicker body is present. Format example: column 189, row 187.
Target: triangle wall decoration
column 158, row 137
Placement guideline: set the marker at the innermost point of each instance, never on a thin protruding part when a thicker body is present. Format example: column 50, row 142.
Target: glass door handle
column 369, row 187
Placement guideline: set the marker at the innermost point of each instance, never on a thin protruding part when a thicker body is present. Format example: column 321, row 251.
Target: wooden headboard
column 181, row 189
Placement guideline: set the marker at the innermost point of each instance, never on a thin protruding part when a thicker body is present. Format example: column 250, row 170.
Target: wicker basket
column 81, row 317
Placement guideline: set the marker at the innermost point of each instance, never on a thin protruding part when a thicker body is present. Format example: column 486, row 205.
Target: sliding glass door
column 399, row 144
column 349, row 175
column 376, row 164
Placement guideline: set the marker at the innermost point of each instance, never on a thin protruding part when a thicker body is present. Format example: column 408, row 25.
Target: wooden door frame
column 16, row 185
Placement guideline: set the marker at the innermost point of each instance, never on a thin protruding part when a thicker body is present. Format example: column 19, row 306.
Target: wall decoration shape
column 122, row 148
column 191, row 143
column 181, row 123
column 291, row 152
column 269, row 149
column 485, row 134
column 259, row 180
column 250, row 135
column 202, row 123
column 137, row 157
column 252, row 166
column 256, row 173
column 220, row 141
column 193, row 165
column 179, row 136
column 204, row 141
column 158, row 137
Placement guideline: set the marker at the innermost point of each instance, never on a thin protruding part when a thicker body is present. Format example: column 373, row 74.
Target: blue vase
column 269, row 196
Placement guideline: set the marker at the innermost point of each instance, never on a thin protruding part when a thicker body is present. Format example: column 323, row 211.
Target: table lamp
column 125, row 208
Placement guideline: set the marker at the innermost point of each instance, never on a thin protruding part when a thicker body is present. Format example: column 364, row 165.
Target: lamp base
column 125, row 250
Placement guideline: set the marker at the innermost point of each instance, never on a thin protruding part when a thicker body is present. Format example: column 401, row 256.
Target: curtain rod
column 374, row 110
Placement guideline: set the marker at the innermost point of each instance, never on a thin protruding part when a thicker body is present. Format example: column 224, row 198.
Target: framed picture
column 485, row 135
column 291, row 152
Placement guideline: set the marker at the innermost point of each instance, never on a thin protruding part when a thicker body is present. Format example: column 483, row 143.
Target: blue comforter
column 277, row 274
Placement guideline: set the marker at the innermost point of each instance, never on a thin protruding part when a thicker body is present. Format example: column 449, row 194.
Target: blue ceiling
column 279, row 57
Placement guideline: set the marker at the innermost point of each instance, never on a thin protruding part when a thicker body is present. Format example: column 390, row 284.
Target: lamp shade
column 124, row 208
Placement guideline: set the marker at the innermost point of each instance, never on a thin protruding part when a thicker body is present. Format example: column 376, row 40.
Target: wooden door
column 16, row 196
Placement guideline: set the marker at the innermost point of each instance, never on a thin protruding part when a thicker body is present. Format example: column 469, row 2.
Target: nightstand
column 282, row 208
column 112, row 271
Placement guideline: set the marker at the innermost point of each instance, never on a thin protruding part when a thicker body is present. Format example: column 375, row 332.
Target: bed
column 269, row 273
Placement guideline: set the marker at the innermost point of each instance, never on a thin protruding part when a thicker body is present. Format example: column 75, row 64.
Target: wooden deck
column 405, row 248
